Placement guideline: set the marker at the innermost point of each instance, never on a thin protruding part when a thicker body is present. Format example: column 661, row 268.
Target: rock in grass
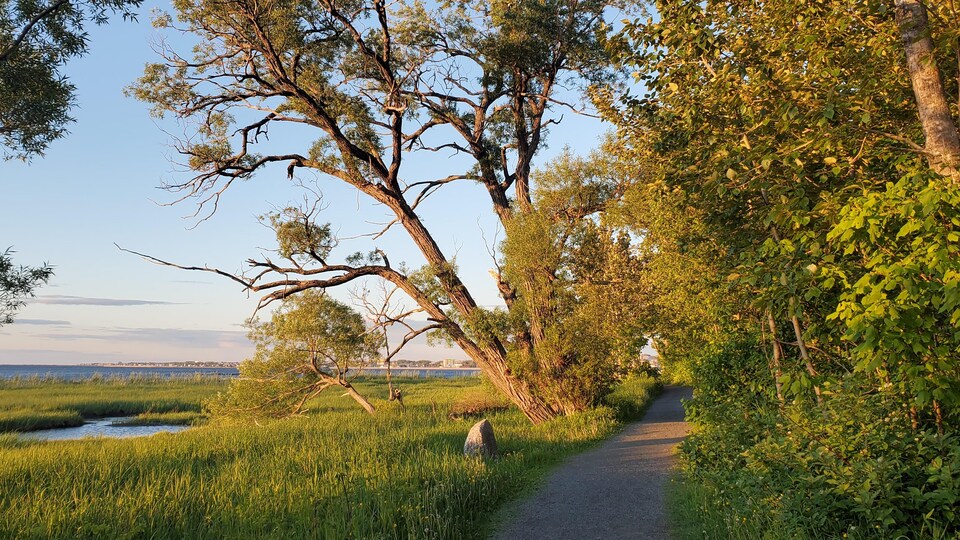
column 480, row 441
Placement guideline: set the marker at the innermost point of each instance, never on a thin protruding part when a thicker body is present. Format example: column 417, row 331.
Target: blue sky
column 99, row 186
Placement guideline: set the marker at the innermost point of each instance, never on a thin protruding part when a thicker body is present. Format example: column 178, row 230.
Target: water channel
column 101, row 427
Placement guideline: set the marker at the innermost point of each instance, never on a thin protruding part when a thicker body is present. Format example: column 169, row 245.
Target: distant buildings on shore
column 651, row 359
column 183, row 364
column 446, row 363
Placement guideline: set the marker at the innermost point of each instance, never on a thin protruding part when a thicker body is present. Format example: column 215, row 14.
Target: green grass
column 697, row 512
column 163, row 419
column 37, row 403
column 31, row 419
column 631, row 397
column 12, row 440
column 337, row 473
column 478, row 403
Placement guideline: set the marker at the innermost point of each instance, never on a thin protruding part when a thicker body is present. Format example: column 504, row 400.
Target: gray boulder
column 480, row 441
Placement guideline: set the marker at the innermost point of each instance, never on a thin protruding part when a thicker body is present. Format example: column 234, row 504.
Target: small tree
column 17, row 283
column 311, row 343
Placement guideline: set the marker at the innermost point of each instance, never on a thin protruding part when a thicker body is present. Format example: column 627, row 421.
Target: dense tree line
column 811, row 148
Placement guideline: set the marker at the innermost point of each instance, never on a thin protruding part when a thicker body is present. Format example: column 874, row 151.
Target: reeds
column 175, row 418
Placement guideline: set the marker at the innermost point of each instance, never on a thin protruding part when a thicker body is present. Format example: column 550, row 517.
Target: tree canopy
column 37, row 38
column 808, row 149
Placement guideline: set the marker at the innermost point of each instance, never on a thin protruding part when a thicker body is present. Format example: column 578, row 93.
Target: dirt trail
column 613, row 491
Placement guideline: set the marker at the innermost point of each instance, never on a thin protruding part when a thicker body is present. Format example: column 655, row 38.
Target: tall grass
column 34, row 403
column 175, row 418
column 631, row 397
column 338, row 473
column 31, row 419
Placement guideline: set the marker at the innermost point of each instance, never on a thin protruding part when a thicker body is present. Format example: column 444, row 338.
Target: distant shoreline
column 232, row 365
column 135, row 365
column 124, row 370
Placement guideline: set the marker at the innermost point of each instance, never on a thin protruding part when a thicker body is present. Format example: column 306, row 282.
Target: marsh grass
column 175, row 418
column 335, row 473
column 477, row 403
column 12, row 440
column 34, row 403
column 30, row 419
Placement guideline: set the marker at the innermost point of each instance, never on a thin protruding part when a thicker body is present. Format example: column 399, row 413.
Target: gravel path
column 613, row 491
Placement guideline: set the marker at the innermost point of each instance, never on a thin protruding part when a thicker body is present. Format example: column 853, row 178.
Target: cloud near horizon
column 43, row 322
column 79, row 344
column 63, row 300
column 194, row 338
column 49, row 341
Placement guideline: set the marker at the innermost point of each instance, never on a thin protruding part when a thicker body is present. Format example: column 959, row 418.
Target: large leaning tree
column 376, row 80
column 37, row 38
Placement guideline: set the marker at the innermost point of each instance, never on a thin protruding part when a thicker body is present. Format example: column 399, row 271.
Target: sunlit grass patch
column 173, row 418
column 631, row 396
column 336, row 473
column 477, row 403
column 30, row 419
column 694, row 515
column 13, row 440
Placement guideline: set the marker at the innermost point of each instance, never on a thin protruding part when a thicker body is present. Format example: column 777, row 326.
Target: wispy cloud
column 56, row 356
column 166, row 336
column 43, row 322
column 87, row 301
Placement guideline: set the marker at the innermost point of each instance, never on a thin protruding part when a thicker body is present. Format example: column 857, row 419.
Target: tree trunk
column 941, row 140
column 358, row 397
column 490, row 355
column 492, row 361
column 805, row 354
column 519, row 392
column 777, row 356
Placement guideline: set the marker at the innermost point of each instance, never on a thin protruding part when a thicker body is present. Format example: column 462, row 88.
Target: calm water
column 102, row 427
column 85, row 372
